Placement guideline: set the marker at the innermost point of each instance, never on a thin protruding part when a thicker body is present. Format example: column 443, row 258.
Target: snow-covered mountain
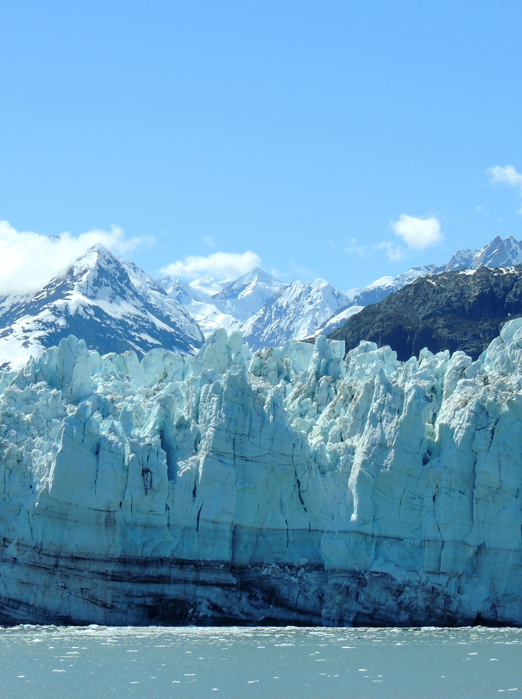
column 267, row 311
column 207, row 286
column 114, row 305
column 336, row 321
column 270, row 312
column 208, row 314
column 249, row 293
column 235, row 303
column 294, row 314
column 501, row 252
column 111, row 304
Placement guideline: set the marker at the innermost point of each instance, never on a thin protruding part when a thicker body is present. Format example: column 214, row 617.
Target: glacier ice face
column 291, row 485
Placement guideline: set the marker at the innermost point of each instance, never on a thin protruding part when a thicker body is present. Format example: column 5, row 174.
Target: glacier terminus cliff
column 294, row 485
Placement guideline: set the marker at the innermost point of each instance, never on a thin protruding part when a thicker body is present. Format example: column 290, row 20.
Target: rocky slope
column 449, row 311
column 290, row 486
column 110, row 303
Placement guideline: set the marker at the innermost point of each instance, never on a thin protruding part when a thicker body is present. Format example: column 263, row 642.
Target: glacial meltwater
column 100, row 661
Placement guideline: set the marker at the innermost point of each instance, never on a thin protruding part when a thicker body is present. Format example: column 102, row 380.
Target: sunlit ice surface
column 100, row 661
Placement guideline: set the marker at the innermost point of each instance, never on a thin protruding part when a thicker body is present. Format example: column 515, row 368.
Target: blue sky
column 298, row 132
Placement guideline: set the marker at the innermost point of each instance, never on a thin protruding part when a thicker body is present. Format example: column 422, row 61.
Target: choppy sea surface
column 100, row 661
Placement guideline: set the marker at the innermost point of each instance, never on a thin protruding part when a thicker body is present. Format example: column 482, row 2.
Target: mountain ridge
column 176, row 314
column 461, row 310
column 296, row 311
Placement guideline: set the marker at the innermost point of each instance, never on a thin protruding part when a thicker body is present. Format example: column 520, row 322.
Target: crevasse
column 289, row 486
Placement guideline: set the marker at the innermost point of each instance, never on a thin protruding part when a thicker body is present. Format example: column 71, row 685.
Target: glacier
column 295, row 485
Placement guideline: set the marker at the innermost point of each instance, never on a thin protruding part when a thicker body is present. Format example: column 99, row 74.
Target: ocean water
column 100, row 661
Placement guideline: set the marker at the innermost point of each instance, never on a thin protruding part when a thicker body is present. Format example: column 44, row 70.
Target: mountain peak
column 260, row 275
column 93, row 259
column 111, row 304
column 499, row 253
column 254, row 276
column 254, row 284
column 97, row 252
column 294, row 313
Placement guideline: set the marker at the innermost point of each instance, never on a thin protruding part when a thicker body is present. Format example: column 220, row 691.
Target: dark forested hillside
column 454, row 310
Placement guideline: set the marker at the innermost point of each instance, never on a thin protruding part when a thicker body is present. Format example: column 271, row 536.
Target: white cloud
column 506, row 175
column 220, row 265
column 393, row 252
column 417, row 233
column 29, row 260
column 355, row 248
column 209, row 240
